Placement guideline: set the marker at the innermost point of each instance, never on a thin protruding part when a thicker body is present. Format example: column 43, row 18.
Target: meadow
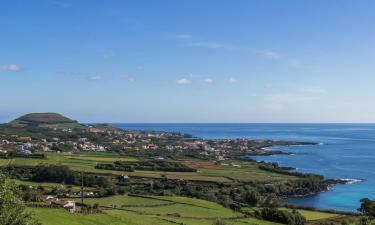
column 150, row 210
column 147, row 210
column 206, row 171
column 155, row 210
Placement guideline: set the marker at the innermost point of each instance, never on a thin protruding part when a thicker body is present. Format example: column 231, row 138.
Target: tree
column 282, row 216
column 12, row 209
column 367, row 207
column 252, row 197
column 271, row 201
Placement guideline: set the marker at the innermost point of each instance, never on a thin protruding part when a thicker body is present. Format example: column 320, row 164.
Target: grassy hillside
column 43, row 119
column 206, row 171
column 129, row 210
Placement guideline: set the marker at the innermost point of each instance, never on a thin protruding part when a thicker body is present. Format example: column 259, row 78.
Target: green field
column 245, row 174
column 315, row 215
column 120, row 200
column 147, row 211
column 205, row 171
column 48, row 185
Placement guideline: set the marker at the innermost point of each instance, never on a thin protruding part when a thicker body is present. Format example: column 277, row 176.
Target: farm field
column 243, row 172
column 315, row 215
column 49, row 185
column 206, row 171
column 147, row 211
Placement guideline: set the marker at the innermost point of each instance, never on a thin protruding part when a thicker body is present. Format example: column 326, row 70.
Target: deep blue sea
column 346, row 151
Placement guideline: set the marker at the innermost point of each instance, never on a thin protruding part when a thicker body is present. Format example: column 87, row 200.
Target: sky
column 155, row 61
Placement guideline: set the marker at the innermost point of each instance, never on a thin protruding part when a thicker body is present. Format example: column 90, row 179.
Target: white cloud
column 183, row 81
column 232, row 80
column 215, row 45
column 96, row 77
column 288, row 101
column 130, row 78
column 183, row 36
column 10, row 68
column 107, row 53
column 189, row 40
column 314, row 90
column 192, row 76
column 269, row 54
column 208, row 81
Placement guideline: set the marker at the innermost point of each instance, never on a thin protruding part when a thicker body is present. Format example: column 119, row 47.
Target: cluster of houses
column 26, row 145
column 68, row 205
column 127, row 140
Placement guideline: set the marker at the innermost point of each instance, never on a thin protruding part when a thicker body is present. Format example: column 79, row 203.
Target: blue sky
column 189, row 61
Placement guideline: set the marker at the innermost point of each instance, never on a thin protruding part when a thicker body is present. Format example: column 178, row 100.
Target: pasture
column 206, row 171
column 147, row 210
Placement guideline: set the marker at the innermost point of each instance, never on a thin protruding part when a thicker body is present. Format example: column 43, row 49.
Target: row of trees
column 146, row 165
column 281, row 216
column 62, row 174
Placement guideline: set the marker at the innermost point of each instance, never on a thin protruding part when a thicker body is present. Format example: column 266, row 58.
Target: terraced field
column 206, row 171
column 131, row 210
column 147, row 210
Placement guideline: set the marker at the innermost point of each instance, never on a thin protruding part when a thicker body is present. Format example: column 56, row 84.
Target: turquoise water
column 347, row 151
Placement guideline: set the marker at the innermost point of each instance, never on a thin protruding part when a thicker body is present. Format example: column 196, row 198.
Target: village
column 94, row 139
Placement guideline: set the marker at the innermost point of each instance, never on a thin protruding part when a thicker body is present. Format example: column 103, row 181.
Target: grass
column 164, row 205
column 314, row 215
column 49, row 216
column 247, row 172
column 3, row 162
column 120, row 200
column 49, row 186
column 207, row 171
column 184, row 207
column 310, row 215
column 155, row 210
column 87, row 162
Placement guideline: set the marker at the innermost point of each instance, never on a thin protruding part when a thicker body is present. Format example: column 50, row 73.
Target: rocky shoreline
column 324, row 186
column 268, row 151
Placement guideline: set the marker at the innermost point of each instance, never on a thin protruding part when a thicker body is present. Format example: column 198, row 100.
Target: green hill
column 44, row 120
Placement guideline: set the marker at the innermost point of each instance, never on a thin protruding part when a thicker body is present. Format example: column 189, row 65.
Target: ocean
column 346, row 151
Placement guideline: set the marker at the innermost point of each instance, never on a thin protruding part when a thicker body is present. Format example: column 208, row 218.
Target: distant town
column 105, row 138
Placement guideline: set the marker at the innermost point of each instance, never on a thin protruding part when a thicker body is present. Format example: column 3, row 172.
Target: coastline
column 325, row 186
column 346, row 142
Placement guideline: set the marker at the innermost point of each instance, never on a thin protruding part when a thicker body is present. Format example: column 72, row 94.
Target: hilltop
column 44, row 120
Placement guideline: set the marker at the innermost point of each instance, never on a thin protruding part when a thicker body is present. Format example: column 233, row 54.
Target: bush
column 146, row 165
column 252, row 197
column 62, row 174
column 219, row 221
column 367, row 207
column 12, row 210
column 282, row 216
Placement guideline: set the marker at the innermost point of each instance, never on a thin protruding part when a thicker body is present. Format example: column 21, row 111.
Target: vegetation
column 62, row 174
column 141, row 210
column 367, row 207
column 150, row 165
column 12, row 209
column 282, row 216
column 136, row 177
column 35, row 119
